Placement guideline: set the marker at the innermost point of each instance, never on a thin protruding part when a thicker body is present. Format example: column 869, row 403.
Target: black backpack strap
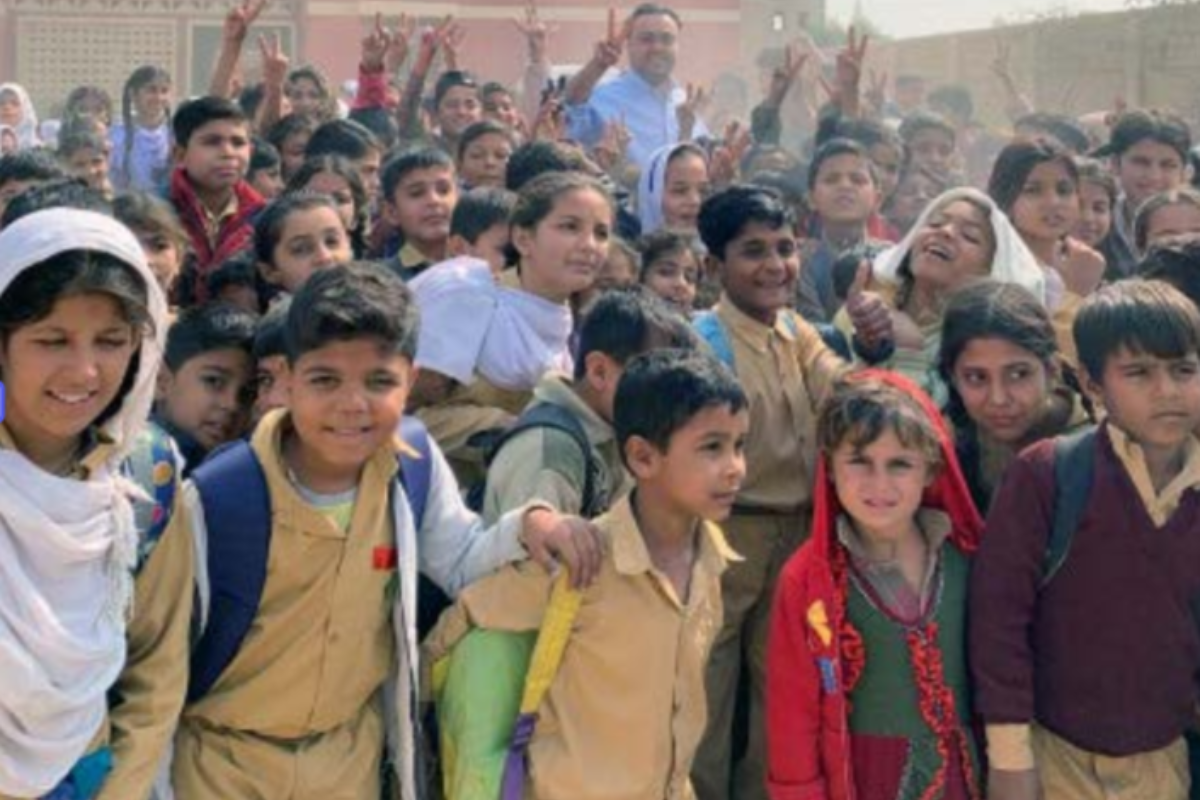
column 1074, row 466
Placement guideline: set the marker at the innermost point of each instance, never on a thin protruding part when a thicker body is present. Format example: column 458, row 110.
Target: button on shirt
column 648, row 112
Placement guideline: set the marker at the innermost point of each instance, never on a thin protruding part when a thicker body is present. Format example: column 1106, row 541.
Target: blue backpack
column 237, row 512
column 712, row 331
column 152, row 466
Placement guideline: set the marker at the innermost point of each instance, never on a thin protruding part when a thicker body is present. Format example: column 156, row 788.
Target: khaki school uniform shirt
column 626, row 710
column 786, row 372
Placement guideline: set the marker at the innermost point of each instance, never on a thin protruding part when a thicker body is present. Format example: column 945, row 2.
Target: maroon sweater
column 1108, row 653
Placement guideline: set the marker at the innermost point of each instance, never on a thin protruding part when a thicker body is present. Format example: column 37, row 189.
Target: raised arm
column 275, row 69
column 233, row 38
column 606, row 55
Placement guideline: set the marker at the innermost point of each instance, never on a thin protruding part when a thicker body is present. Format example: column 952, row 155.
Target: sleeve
column 513, row 599
column 809, row 301
column 372, row 89
column 542, row 464
column 535, row 77
column 148, row 697
column 585, row 125
column 820, row 366
column 1005, row 579
column 457, row 303
column 793, row 702
column 766, row 125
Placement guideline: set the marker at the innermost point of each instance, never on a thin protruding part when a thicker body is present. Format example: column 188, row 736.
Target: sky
column 907, row 18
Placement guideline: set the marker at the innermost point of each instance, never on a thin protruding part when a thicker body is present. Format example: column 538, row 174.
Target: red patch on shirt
column 384, row 558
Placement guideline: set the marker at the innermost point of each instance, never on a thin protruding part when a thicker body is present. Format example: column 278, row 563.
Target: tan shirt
column 786, row 375
column 626, row 710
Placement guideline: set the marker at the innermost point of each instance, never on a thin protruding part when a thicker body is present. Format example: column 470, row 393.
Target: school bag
column 487, row 690
column 713, row 332
column 233, row 492
column 153, row 467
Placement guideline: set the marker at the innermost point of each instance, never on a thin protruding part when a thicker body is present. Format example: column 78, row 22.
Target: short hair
column 1066, row 130
column 536, row 158
column 342, row 137
column 238, row 270
column 726, row 214
column 381, row 122
column 655, row 10
column 477, row 130
column 919, row 121
column 263, row 155
column 401, row 165
column 494, row 87
column 1142, row 316
column 663, row 390
column 867, row 132
column 1138, row 125
column 59, row 193
column 1017, row 161
column 452, row 79
column 269, row 335
column 77, row 140
column 654, row 246
column 480, row 210
column 205, row 329
column 195, row 114
column 29, row 165
column 1183, row 196
column 839, row 147
column 860, row 410
column 627, row 321
column 1175, row 261
column 362, row 300
column 791, row 185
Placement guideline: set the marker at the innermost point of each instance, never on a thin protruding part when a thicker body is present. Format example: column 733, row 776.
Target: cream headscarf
column 67, row 547
column 27, row 128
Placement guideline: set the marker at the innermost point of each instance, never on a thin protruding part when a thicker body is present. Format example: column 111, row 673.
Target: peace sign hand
column 609, row 49
column 784, row 76
column 375, row 46
column 688, row 111
column 239, row 19
column 274, row 61
column 535, row 31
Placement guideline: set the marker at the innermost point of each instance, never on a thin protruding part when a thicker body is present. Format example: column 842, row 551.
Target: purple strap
column 512, row 787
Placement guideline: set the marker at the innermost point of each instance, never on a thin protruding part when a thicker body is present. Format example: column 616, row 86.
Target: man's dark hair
column 263, row 155
column 655, row 10
column 399, row 166
column 726, row 214
column 628, row 321
column 452, row 79
column 1142, row 316
column 1066, row 130
column 480, row 210
column 195, row 114
column 380, row 122
column 206, row 328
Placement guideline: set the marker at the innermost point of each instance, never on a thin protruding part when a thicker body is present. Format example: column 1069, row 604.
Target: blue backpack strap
column 237, row 514
column 1074, row 466
column 153, row 467
column 416, row 473
column 709, row 326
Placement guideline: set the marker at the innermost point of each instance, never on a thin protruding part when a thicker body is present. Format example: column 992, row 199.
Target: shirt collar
column 1160, row 505
column 631, row 557
column 750, row 330
column 411, row 258
column 557, row 388
column 934, row 525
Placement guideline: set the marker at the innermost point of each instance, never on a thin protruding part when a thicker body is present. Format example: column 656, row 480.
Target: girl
column 1097, row 198
column 307, row 89
column 163, row 240
column 483, row 345
column 1008, row 386
column 290, row 137
column 483, row 153
column 88, row 102
column 141, row 142
column 672, row 187
column 16, row 111
column 1165, row 215
column 295, row 236
column 336, row 177
column 671, row 268
column 82, row 323
column 867, row 685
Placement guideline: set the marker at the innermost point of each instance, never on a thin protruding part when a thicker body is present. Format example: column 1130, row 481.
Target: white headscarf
column 652, row 187
column 27, row 128
column 1012, row 263
column 67, row 547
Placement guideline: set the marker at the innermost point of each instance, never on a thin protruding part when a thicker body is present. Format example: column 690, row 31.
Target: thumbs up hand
column 870, row 314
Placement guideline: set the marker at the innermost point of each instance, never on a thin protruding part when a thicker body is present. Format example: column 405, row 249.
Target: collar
column 754, row 333
column 1160, row 505
column 630, row 556
column 934, row 525
column 557, row 388
column 411, row 258
column 666, row 91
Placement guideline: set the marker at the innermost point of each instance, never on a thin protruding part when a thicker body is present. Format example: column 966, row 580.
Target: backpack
column 237, row 505
column 153, row 467
column 1074, row 466
column 712, row 331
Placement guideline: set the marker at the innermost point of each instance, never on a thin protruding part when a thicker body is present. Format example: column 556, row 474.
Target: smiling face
column 459, row 109
column 1147, row 168
column 1047, row 209
column 686, row 187
column 1095, row 214
column 1003, row 387
column 653, row 47
column 955, row 247
column 880, row 485
column 563, row 254
column 305, row 96
column 759, row 270
column 151, row 102
column 674, row 277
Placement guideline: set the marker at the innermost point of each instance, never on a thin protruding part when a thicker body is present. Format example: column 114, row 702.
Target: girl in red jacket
column 866, row 669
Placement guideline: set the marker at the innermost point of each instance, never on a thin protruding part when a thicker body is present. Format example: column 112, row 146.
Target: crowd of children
column 848, row 457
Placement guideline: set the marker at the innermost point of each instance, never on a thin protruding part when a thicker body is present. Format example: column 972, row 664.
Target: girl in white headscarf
column 93, row 614
column 672, row 188
column 16, row 111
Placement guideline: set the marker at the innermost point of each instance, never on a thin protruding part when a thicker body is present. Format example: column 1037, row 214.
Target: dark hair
column 537, row 158
column 627, row 321
column 954, row 98
column 1139, row 315
column 380, row 122
column 328, row 109
column 142, row 76
column 251, row 97
column 790, row 186
column 839, row 147
column 726, row 214
column 1064, row 129
column 661, row 391
column 205, row 329
column 32, row 295
column 239, row 270
column 493, row 87
column 288, row 127
column 1139, row 125
column 477, row 130
column 1015, row 164
column 146, row 214
column 271, row 220
column 29, row 165
column 361, row 300
column 661, row 243
column 342, row 137
column 81, row 93
column 860, row 410
column 60, row 193
column 655, row 10
column 1177, row 262
column 76, row 140
column 1183, row 196
column 480, row 210
column 336, row 165
column 867, row 132
column 263, row 155
column 194, row 114
column 399, row 166
column 1095, row 172
column 269, row 334
column 762, row 150
column 537, row 199
column 452, row 79
column 919, row 121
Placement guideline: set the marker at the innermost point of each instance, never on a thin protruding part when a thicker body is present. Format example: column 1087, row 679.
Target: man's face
column 653, row 47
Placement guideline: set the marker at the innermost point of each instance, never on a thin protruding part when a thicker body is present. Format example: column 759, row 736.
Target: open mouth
column 73, row 399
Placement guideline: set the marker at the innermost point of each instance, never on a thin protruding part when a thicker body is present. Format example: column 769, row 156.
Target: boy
column 214, row 203
column 625, row 709
column 235, row 283
column 1083, row 640
column 352, row 141
column 265, row 175
column 479, row 226
column 270, row 361
column 85, row 155
column 419, row 196
column 331, row 661
column 20, row 171
column 205, row 380
column 544, row 461
column 1149, row 152
column 931, row 142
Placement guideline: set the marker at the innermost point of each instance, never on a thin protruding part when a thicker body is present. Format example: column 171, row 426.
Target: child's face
column 887, row 160
column 346, row 400
column 1095, row 214
column 501, row 107
column 217, row 155
column 489, row 246
column 92, row 166
column 151, row 101
column 485, row 159
column 759, row 270
column 674, row 277
column 1146, row 169
column 368, row 168
column 62, row 372
column 271, row 385
column 1154, row 400
column 207, row 397
column 702, row 469
column 880, row 486
column 916, row 191
column 564, row 253
column 164, row 258
column 267, row 182
column 338, row 188
column 1003, row 387
column 311, row 240
column 955, row 247
column 845, row 192
column 459, row 109
column 1178, row 219
column 291, row 155
column 1048, row 207
column 616, row 271
column 933, row 149
column 305, row 96
column 687, row 186
column 422, row 205
column 11, row 112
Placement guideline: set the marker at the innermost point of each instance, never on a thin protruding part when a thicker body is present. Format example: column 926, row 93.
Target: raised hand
column 848, row 72
column 1082, row 267
column 688, row 111
column 609, row 152
column 535, row 31
column 549, row 125
column 876, row 94
column 873, row 324
column 1001, row 65
column 726, row 160
column 274, row 61
column 398, row 44
column 784, row 76
column 452, row 38
column 375, row 46
column 239, row 19
column 612, row 46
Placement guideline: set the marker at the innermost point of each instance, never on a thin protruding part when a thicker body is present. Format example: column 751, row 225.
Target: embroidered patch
column 818, row 620
column 828, row 667
column 384, row 558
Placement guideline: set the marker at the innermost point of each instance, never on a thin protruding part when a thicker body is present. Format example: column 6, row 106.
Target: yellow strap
column 551, row 642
